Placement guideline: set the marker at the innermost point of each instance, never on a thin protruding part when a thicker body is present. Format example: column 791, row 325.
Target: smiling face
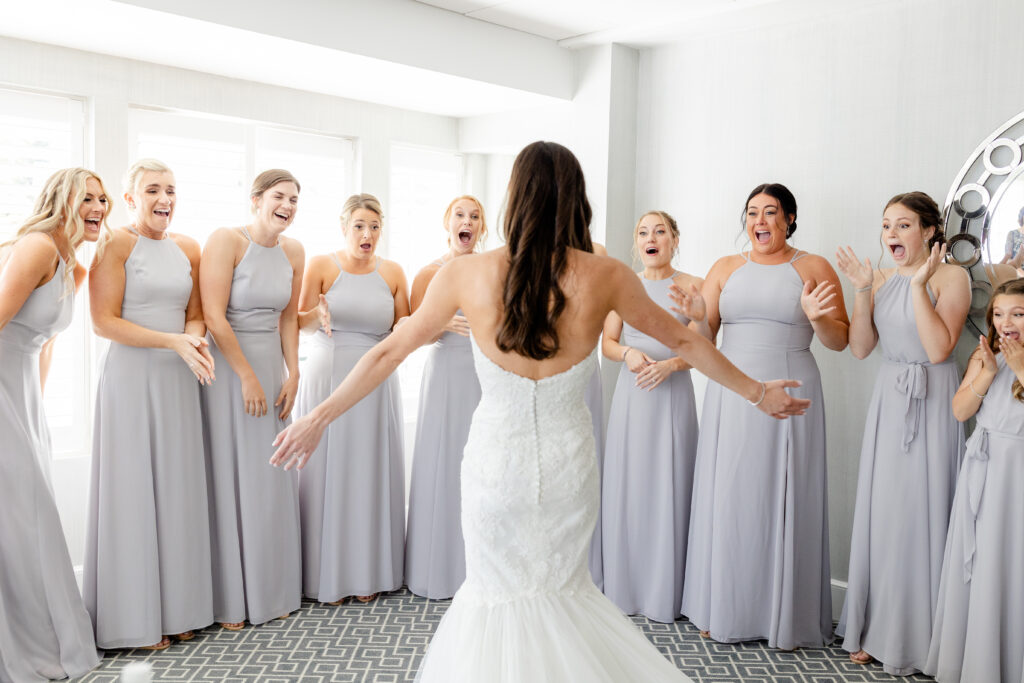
column 362, row 233
column 465, row 223
column 153, row 200
column 655, row 241
column 93, row 209
column 276, row 207
column 1008, row 316
column 766, row 224
column 903, row 236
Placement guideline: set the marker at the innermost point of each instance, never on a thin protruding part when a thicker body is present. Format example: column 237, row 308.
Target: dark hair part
column 1010, row 288
column 785, row 198
column 927, row 211
column 547, row 214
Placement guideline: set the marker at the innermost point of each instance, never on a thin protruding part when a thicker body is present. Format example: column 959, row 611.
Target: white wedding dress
column 528, row 610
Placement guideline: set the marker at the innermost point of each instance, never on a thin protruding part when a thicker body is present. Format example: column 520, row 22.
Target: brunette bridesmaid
column 250, row 279
column 44, row 628
column 147, row 556
column 912, row 443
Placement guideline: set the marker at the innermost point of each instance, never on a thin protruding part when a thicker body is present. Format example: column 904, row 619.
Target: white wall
column 846, row 112
column 111, row 84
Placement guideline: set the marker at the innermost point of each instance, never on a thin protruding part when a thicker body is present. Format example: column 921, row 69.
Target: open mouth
column 465, row 237
column 650, row 251
column 366, row 246
column 282, row 216
column 763, row 236
column 92, row 224
column 898, row 251
column 1011, row 334
column 163, row 213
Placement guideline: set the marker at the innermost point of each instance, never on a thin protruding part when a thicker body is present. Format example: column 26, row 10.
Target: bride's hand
column 778, row 403
column 296, row 443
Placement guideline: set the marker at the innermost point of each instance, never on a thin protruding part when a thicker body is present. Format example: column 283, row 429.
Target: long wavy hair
column 56, row 211
column 1011, row 288
column 547, row 214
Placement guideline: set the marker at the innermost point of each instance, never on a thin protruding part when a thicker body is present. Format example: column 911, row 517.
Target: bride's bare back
column 476, row 284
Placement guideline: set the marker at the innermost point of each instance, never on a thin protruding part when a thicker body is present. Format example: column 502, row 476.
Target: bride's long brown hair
column 547, row 214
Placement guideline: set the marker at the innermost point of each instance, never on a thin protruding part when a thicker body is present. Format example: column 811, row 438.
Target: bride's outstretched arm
column 631, row 302
column 299, row 439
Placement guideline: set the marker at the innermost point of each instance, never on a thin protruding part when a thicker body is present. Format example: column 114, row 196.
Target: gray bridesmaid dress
column 352, row 490
column 648, row 479
column 979, row 616
column 147, row 554
column 254, row 507
column 908, row 466
column 594, row 398
column 44, row 629
column 435, row 555
column 757, row 565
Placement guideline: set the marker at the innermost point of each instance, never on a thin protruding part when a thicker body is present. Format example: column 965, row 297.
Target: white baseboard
column 838, row 597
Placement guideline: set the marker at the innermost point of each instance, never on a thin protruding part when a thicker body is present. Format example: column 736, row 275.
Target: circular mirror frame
column 985, row 182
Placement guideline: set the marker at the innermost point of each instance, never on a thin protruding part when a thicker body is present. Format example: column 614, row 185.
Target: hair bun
column 790, row 230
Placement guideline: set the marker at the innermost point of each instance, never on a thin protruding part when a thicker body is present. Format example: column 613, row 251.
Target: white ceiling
column 589, row 22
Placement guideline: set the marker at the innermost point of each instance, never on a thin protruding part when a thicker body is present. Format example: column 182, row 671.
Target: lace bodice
column 529, row 482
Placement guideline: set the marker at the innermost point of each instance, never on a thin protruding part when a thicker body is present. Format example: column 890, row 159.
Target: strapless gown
column 528, row 610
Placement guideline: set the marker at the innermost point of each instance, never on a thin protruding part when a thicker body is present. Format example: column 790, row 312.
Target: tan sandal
column 164, row 643
column 232, row 625
column 285, row 616
column 705, row 634
column 367, row 598
column 861, row 657
column 187, row 635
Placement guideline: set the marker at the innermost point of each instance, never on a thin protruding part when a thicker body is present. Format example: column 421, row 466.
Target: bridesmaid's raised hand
column 814, row 300
column 691, row 303
column 928, row 268
column 325, row 315
column 989, row 367
column 1013, row 351
column 860, row 274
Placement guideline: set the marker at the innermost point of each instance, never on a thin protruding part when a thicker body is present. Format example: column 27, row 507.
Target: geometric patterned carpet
column 384, row 641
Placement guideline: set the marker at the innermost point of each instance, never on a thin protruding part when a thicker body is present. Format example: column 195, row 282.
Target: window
column 215, row 160
column 40, row 134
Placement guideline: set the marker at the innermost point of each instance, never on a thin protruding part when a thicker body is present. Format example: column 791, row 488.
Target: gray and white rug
column 384, row 641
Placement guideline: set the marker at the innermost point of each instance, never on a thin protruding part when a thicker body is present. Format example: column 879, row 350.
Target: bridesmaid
column 912, row 443
column 353, row 502
column 147, row 556
column 652, row 443
column 757, row 565
column 250, row 279
column 435, row 562
column 44, row 628
column 594, row 398
column 979, row 625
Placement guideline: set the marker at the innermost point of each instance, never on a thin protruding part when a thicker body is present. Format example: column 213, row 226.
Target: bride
column 528, row 610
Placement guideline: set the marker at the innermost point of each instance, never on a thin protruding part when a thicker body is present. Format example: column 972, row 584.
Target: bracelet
column 975, row 392
column 764, row 390
column 625, row 351
column 864, row 289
